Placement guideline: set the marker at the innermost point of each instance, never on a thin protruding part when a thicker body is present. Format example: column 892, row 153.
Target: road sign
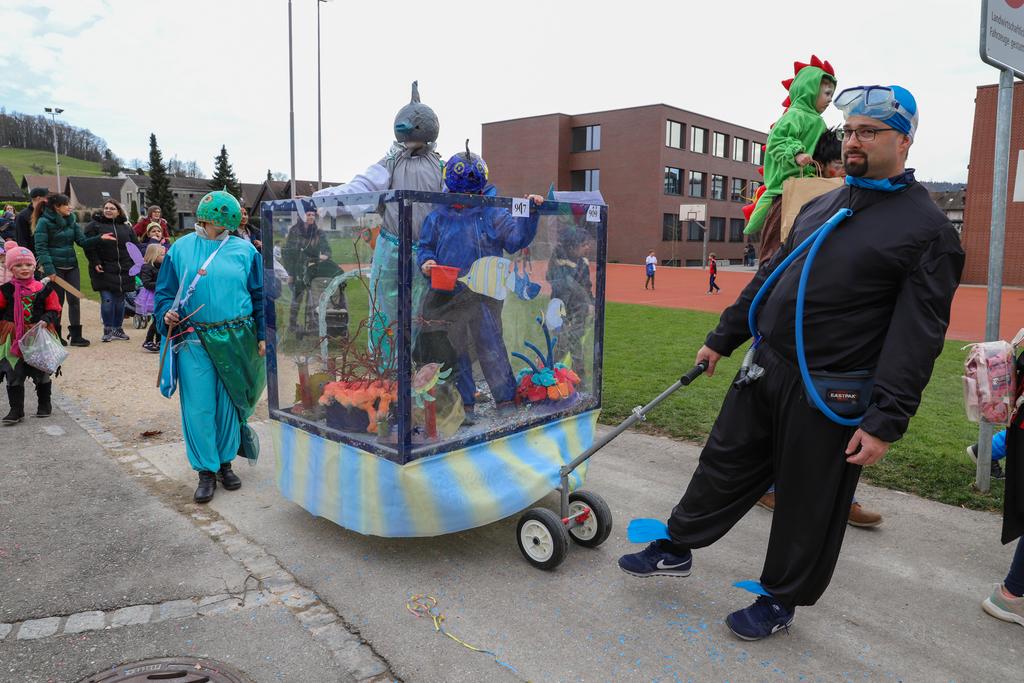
column 1002, row 34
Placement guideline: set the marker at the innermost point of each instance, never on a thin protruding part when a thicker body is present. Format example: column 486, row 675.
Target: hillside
column 20, row 162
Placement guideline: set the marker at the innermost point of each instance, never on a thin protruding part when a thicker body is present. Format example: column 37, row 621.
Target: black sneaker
column 653, row 561
column 766, row 616
column 118, row 333
column 107, row 334
column 996, row 471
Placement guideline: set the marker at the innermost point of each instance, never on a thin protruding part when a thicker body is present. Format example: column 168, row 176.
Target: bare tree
column 192, row 169
column 282, row 177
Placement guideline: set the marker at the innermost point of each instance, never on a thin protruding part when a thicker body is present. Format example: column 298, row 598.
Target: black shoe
column 75, row 336
column 997, row 471
column 16, row 395
column 118, row 333
column 43, row 394
column 207, row 485
column 107, row 332
column 56, row 328
column 228, row 478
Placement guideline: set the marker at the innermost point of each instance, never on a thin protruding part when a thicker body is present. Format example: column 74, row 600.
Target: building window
column 673, row 180
column 736, row 229
column 175, row 195
column 717, row 186
column 694, row 233
column 671, row 229
column 670, row 262
column 586, row 181
column 756, row 153
column 716, row 230
column 752, row 188
column 737, row 190
column 674, row 134
column 698, row 140
column 697, row 183
column 739, row 149
column 720, row 148
column 586, row 139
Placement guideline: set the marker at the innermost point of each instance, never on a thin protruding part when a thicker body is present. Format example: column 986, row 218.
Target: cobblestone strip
column 276, row 585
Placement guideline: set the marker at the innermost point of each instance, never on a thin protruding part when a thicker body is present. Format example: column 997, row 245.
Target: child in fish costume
column 791, row 143
column 474, row 240
column 411, row 164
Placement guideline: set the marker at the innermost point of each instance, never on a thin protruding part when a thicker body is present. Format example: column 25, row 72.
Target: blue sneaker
column 766, row 616
column 652, row 561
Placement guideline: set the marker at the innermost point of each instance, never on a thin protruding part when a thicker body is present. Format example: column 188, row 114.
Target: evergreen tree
column 224, row 176
column 134, row 215
column 160, row 185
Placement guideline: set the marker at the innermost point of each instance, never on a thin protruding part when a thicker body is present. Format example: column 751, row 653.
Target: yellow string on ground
column 425, row 606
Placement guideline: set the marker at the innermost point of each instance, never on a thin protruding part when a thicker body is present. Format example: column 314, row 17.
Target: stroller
column 138, row 306
column 318, row 278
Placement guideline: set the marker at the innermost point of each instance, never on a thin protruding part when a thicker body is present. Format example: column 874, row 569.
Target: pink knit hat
column 16, row 255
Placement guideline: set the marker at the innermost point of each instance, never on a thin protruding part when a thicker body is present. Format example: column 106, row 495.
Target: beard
column 857, row 169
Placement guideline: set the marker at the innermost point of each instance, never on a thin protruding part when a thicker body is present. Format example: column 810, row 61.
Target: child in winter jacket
column 23, row 303
column 154, row 256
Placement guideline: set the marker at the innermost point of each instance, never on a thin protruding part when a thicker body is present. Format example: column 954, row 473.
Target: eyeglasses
column 863, row 134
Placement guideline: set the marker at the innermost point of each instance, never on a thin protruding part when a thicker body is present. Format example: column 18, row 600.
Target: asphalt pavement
column 256, row 582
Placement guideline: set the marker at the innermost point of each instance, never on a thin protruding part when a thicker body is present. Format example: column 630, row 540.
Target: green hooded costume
column 797, row 131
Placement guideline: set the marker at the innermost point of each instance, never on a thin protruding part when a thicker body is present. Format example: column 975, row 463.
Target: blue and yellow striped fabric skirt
column 439, row 494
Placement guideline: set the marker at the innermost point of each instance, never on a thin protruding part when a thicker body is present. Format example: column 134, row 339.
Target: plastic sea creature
column 553, row 316
column 370, row 235
column 425, row 379
column 547, row 380
column 495, row 277
column 363, row 395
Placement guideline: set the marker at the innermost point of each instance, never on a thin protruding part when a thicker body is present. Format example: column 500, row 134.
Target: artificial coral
column 547, row 380
column 363, row 395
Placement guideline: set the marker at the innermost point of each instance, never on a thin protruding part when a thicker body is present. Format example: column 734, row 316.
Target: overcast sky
column 202, row 73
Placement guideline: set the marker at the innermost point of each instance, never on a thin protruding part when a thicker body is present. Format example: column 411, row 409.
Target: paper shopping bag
column 798, row 191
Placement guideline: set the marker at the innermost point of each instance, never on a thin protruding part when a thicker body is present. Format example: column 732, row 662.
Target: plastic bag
column 41, row 349
column 990, row 384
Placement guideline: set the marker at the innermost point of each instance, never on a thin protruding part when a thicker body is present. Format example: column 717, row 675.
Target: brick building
column 645, row 161
column 978, row 206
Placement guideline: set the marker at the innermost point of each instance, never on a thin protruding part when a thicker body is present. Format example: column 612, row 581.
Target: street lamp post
column 319, row 140
column 291, row 94
column 53, row 111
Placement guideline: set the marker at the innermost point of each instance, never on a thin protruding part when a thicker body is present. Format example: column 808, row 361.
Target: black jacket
column 112, row 256
column 878, row 297
column 149, row 274
column 23, row 229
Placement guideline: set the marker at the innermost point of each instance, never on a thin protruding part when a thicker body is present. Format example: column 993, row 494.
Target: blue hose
column 813, row 242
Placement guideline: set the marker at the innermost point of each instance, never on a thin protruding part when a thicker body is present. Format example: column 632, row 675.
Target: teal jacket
column 56, row 237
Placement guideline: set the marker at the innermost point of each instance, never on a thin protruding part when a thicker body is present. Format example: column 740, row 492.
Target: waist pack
column 847, row 394
column 990, row 384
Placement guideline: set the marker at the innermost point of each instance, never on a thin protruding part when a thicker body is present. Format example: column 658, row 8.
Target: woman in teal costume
column 218, row 363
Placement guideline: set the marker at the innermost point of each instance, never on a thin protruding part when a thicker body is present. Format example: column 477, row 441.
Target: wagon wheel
column 542, row 538
column 598, row 526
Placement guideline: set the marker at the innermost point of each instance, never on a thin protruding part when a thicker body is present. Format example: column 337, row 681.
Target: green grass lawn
column 20, row 162
column 648, row 348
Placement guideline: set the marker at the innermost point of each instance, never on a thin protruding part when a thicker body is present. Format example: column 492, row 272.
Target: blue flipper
column 646, row 530
column 753, row 587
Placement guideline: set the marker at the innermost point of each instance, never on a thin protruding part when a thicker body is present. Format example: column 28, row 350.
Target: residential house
column 29, row 181
column 9, row 190
column 91, row 193
column 952, row 203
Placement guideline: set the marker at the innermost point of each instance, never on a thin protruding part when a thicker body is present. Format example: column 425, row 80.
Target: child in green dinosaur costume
column 790, row 144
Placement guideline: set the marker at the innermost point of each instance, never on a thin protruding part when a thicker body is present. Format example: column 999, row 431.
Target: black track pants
column 768, row 433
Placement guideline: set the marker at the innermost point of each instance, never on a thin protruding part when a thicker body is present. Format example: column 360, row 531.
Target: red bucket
column 443, row 277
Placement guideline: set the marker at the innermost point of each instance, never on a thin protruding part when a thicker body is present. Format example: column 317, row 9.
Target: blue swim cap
column 904, row 119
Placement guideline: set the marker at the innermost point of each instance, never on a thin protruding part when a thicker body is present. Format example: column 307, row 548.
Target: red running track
column 686, row 287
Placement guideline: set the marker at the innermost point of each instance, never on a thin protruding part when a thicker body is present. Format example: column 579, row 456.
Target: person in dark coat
column 109, row 264
column 569, row 275
column 23, row 221
column 249, row 232
column 305, row 246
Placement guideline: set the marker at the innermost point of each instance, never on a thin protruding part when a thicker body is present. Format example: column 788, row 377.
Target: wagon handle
column 698, row 370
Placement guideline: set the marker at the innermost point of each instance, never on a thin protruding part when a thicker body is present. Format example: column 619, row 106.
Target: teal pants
column 208, row 416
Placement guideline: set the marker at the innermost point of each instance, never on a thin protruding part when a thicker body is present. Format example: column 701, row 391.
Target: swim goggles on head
column 876, row 102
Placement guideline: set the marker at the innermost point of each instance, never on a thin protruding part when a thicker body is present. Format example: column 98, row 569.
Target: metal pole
column 291, row 94
column 704, row 258
column 997, row 234
column 56, row 156
column 319, row 140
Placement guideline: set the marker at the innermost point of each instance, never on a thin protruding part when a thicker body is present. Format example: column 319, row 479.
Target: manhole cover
column 175, row 669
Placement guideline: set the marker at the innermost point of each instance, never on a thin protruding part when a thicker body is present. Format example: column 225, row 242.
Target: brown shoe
column 861, row 517
column 768, row 501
